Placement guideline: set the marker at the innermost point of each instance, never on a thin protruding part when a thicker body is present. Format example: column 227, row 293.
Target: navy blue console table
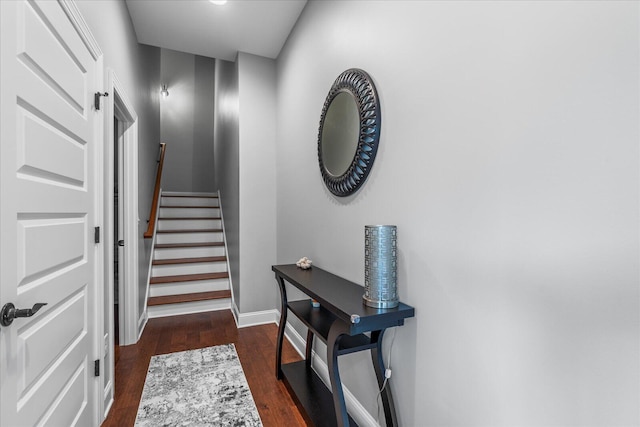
column 340, row 322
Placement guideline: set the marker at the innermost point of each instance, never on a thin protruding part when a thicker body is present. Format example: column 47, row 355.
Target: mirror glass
column 340, row 132
column 349, row 132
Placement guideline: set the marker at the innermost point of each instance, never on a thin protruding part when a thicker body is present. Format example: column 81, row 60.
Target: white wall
column 509, row 161
column 186, row 121
column 245, row 129
column 257, row 157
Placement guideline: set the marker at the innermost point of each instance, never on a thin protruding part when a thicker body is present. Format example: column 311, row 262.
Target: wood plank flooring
column 256, row 347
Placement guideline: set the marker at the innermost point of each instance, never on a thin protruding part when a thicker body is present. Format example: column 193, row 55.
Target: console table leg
column 378, row 366
column 281, row 326
column 338, row 328
column 308, row 352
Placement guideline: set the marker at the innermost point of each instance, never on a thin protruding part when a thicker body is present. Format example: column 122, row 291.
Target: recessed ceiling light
column 218, row 2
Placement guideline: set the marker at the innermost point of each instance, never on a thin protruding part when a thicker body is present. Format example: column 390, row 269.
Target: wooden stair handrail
column 156, row 194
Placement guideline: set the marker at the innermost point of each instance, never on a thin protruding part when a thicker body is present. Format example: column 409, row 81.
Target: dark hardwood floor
column 255, row 346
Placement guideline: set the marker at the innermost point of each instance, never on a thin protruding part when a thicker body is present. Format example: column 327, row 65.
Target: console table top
column 343, row 298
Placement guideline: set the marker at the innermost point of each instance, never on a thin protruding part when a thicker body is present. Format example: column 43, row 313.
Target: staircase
column 189, row 268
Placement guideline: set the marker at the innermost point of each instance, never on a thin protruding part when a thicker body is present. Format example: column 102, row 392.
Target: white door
column 48, row 140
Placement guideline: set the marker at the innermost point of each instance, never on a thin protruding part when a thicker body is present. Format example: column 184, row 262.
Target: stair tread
column 188, row 207
column 192, row 230
column 188, row 218
column 188, row 245
column 173, row 261
column 188, row 277
column 195, row 196
column 199, row 296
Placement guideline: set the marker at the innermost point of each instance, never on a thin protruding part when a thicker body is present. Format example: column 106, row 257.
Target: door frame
column 117, row 104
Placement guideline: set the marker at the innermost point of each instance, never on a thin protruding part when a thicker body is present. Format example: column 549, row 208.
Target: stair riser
column 163, row 289
column 194, row 268
column 188, row 237
column 189, row 224
column 172, row 253
column 188, row 308
column 189, row 201
column 188, row 212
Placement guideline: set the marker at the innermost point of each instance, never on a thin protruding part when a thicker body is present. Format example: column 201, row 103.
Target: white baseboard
column 142, row 322
column 107, row 409
column 145, row 310
column 244, row 320
column 234, row 309
column 359, row 414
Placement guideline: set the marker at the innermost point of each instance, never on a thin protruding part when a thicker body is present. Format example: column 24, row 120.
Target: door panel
column 50, row 47
column 40, row 145
column 48, row 196
column 43, row 338
column 40, row 252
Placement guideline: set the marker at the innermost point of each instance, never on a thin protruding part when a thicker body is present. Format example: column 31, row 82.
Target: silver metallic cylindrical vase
column 380, row 266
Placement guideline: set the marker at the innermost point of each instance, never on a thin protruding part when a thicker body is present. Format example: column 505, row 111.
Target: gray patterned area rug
column 204, row 387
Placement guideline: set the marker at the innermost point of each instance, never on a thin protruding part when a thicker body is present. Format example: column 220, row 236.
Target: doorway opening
column 118, row 228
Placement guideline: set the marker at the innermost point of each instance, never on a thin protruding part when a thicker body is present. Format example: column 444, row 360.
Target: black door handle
column 10, row 312
column 120, row 242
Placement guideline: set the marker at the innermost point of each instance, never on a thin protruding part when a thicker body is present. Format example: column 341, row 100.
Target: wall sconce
column 164, row 92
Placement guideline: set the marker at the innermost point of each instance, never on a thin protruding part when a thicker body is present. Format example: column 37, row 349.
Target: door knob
column 120, row 242
column 10, row 312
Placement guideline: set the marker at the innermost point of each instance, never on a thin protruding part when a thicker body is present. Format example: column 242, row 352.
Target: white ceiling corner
column 259, row 27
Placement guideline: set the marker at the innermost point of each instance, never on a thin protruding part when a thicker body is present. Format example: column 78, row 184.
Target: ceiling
column 259, row 27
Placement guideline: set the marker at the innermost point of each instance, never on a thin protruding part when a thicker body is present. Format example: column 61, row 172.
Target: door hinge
column 96, row 235
column 96, row 99
column 96, row 368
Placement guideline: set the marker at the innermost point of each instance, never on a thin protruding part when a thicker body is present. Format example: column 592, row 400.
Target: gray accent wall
column 203, row 177
column 509, row 160
column 186, row 122
column 177, row 71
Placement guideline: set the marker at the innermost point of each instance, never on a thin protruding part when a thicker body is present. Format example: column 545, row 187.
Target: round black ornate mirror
column 349, row 132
